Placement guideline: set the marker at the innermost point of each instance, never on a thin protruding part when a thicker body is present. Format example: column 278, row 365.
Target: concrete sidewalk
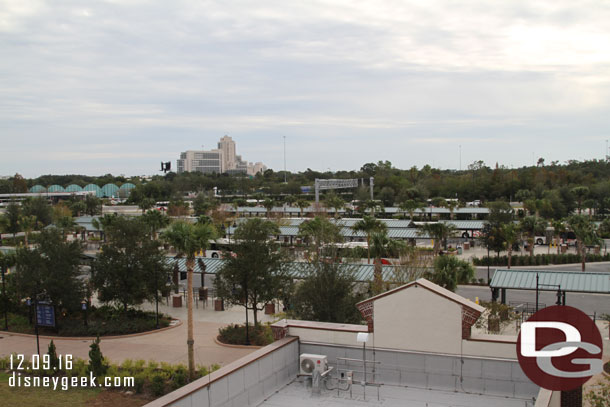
column 165, row 346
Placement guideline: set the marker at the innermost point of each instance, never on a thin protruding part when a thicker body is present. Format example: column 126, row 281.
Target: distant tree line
column 552, row 190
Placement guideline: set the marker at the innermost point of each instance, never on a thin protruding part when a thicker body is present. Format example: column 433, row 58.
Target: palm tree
column 145, row 204
column 580, row 193
column 410, row 206
column 268, row 204
column 451, row 205
column 335, row 202
column 27, row 223
column 532, row 226
column 369, row 225
column 155, row 221
column 585, row 233
column 372, row 205
column 510, row 233
column 438, row 231
column 290, row 200
column 188, row 239
column 559, row 227
column 302, row 204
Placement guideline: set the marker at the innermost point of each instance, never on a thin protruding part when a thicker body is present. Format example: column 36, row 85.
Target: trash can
column 269, row 309
column 466, row 245
column 459, row 250
column 564, row 248
column 219, row 305
column 203, row 293
column 177, row 301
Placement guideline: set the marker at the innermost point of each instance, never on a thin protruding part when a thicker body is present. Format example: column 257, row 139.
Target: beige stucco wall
column 491, row 347
column 326, row 336
column 418, row 319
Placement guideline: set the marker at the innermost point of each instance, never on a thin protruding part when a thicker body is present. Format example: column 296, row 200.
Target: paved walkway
column 165, row 346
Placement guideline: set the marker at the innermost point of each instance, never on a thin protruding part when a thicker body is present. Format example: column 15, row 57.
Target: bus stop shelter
column 561, row 282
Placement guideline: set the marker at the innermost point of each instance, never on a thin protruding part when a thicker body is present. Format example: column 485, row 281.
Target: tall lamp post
column 83, row 306
column 3, row 266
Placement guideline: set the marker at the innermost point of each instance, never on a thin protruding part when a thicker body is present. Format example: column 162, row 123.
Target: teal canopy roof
column 74, row 188
column 572, row 281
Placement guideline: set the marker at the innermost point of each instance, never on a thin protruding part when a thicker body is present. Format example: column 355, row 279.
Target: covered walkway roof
column 300, row 270
column 570, row 281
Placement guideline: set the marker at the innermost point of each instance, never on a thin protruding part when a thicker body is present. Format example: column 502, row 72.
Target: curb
column 90, row 338
column 236, row 346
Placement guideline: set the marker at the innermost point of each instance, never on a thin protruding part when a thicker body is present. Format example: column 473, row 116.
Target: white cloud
column 397, row 73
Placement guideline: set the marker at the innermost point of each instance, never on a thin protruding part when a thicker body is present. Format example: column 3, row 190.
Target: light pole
column 3, row 266
column 83, row 305
column 284, row 159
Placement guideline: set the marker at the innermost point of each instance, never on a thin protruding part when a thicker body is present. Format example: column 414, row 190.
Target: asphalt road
column 588, row 303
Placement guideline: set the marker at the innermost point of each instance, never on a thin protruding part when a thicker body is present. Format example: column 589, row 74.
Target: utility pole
column 284, row 159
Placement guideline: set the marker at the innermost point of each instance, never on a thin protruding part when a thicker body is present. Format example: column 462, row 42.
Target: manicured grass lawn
column 43, row 397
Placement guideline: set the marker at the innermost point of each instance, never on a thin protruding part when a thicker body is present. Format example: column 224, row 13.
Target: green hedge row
column 538, row 260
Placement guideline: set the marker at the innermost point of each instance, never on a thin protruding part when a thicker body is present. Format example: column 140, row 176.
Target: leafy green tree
column 51, row 268
column 62, row 219
column 328, row 294
column 189, row 239
column 93, row 205
column 12, row 216
column 368, row 225
column 387, row 196
column 321, row 235
column 580, row 192
column 585, row 233
column 500, row 213
column 204, row 203
column 449, row 271
column 439, row 232
column 254, row 273
column 40, row 208
column 127, row 265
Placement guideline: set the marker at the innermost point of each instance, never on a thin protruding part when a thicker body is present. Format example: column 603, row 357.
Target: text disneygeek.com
column 64, row 362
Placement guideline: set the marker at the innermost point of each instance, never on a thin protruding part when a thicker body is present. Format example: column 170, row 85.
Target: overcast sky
column 116, row 86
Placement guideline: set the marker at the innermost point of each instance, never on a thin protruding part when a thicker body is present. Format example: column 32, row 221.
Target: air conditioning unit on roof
column 309, row 362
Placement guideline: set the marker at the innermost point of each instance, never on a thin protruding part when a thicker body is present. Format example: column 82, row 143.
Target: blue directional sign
column 45, row 315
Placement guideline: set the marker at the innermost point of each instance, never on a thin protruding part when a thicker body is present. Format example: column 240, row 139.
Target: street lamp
column 5, row 297
column 83, row 306
column 28, row 302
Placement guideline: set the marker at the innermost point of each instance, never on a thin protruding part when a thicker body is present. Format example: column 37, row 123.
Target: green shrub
column 180, row 377
column 235, row 334
column 157, row 385
column 97, row 365
column 138, row 381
